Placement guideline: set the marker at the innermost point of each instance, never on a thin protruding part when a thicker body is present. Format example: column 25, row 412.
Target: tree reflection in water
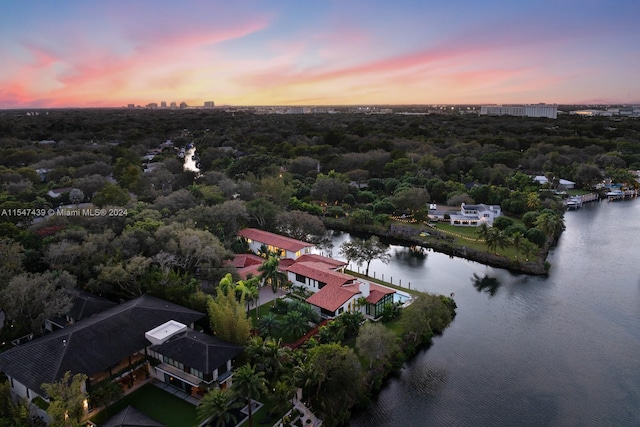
column 487, row 284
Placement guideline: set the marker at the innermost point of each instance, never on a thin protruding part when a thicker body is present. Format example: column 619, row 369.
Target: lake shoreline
column 535, row 268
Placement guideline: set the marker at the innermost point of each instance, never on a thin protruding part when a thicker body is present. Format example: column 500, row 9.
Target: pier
column 621, row 195
column 575, row 202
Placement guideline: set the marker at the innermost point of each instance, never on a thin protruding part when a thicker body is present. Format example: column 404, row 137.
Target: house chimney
column 365, row 289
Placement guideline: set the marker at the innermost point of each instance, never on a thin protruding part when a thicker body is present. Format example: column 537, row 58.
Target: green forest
column 160, row 229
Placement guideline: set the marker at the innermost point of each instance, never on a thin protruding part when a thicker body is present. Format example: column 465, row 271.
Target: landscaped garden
column 157, row 404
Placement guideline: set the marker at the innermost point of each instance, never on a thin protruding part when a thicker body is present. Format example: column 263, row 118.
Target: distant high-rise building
column 183, row 104
column 530, row 110
column 152, row 105
column 209, row 104
column 131, row 106
column 173, row 105
column 163, row 104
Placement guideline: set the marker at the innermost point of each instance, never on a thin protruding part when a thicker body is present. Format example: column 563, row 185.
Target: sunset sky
column 89, row 53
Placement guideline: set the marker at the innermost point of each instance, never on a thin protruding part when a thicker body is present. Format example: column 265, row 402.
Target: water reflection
column 191, row 160
column 486, row 284
column 409, row 256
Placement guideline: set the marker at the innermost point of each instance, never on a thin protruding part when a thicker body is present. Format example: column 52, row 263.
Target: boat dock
column 575, row 202
column 621, row 194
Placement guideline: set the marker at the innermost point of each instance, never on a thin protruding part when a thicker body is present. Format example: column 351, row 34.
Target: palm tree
column 550, row 223
column 272, row 276
column 268, row 324
column 253, row 291
column 296, row 323
column 283, row 393
column 533, row 201
column 528, row 249
column 483, row 231
column 496, row 238
column 249, row 384
column 305, row 308
column 517, row 238
column 226, row 283
column 217, row 406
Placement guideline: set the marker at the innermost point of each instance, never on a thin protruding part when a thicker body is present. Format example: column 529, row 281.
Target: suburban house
column 285, row 247
column 58, row 192
column 334, row 291
column 116, row 345
column 190, row 360
column 474, row 215
column 542, row 180
column 247, row 264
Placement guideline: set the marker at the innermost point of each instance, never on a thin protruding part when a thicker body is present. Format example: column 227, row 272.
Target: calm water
column 529, row 351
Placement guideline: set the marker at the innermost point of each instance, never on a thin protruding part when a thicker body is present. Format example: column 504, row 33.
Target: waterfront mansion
column 334, row 290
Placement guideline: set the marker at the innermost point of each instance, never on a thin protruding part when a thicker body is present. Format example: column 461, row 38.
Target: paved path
column 266, row 295
column 307, row 417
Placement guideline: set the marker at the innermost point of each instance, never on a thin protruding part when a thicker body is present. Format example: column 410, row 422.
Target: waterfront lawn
column 156, row 403
column 466, row 236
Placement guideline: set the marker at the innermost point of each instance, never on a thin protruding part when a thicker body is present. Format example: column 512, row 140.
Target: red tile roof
column 245, row 260
column 332, row 297
column 377, row 292
column 272, row 239
column 321, row 272
column 334, row 263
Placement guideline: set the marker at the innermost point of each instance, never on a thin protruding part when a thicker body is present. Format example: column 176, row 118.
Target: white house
column 335, row 291
column 542, row 180
column 474, row 215
column 285, row 247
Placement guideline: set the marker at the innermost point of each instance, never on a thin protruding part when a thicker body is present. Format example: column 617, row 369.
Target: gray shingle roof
column 91, row 345
column 197, row 350
column 131, row 417
column 86, row 304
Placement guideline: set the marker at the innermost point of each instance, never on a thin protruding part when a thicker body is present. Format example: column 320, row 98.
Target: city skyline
column 111, row 54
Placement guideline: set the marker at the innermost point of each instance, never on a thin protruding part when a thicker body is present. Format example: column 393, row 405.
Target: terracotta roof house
column 333, row 290
column 114, row 345
column 285, row 247
column 246, row 264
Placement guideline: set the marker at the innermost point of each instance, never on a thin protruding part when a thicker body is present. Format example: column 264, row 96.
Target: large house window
column 196, row 373
column 300, row 278
column 172, row 362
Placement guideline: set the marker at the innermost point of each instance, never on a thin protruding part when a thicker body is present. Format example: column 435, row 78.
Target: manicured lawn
column 156, row 403
column 254, row 313
column 466, row 236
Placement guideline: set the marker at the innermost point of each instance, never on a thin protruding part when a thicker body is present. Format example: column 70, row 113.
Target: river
column 562, row 350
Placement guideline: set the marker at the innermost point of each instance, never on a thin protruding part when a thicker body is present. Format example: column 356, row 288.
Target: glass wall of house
column 376, row 310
